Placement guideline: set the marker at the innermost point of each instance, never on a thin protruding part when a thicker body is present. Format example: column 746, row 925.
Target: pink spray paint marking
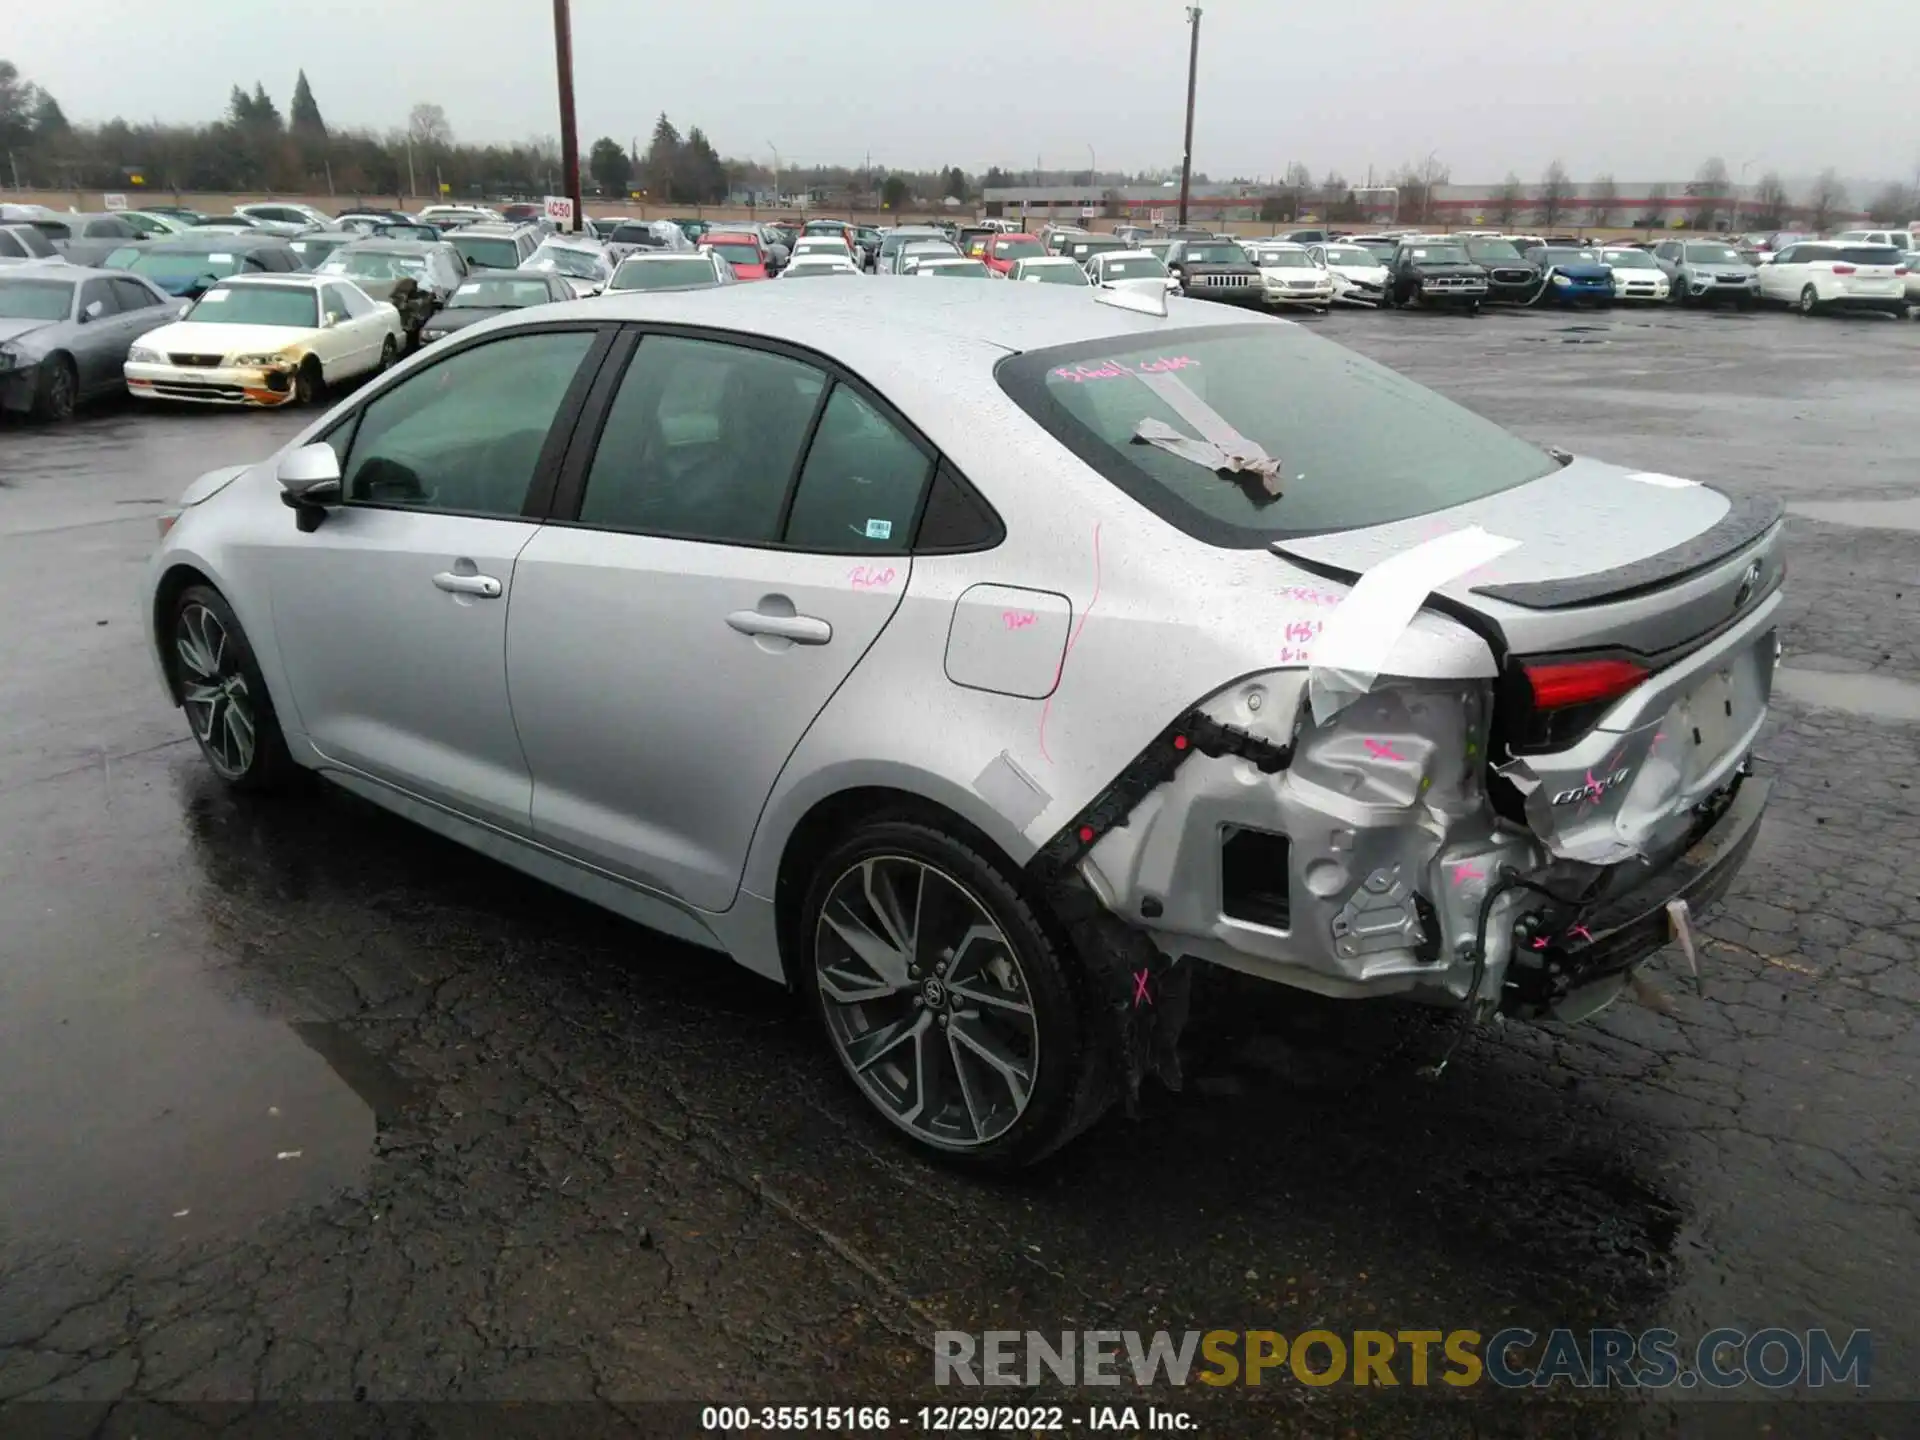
column 1582, row 931
column 1072, row 640
column 1113, row 370
column 1291, row 656
column 1382, row 750
column 1307, row 595
column 1018, row 619
column 1468, row 871
column 1140, row 978
column 1301, row 631
column 1541, row 943
column 870, row 577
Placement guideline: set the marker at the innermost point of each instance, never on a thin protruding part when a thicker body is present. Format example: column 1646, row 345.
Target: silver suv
column 1707, row 272
column 496, row 247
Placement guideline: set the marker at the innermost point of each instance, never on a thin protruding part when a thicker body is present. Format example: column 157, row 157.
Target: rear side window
column 1356, row 443
column 861, row 485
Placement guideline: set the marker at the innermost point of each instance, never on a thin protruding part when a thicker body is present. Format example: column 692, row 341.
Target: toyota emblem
column 1749, row 582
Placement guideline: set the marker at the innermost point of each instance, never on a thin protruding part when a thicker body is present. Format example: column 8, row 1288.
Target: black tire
column 1473, row 307
column 241, row 688
column 1062, row 1099
column 1809, row 301
column 309, row 384
column 389, row 355
column 1677, row 291
column 58, row 391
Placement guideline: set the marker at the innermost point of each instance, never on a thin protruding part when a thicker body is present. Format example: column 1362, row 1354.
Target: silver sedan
column 985, row 660
column 65, row 332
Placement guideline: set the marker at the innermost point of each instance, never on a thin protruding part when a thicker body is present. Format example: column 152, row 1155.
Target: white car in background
column 283, row 213
column 1048, row 270
column 1289, row 275
column 832, row 245
column 1359, row 275
column 813, row 262
column 1636, row 275
column 583, row 264
column 1900, row 239
column 1818, row 275
column 1131, row 270
column 451, row 217
column 267, row 340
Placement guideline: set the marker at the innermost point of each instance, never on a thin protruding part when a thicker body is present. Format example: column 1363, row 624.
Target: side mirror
column 93, row 311
column 309, row 482
column 332, row 319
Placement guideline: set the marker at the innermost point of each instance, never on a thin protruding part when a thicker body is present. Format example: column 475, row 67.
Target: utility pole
column 411, row 189
column 1193, row 75
column 569, row 136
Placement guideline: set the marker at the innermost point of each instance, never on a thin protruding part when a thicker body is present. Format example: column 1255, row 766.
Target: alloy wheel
column 214, row 690
column 60, row 391
column 926, row 1001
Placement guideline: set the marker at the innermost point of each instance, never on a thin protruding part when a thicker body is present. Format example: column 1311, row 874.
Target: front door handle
column 484, row 586
column 801, row 629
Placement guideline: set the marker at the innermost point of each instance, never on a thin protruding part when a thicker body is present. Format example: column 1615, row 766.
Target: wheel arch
column 174, row 581
column 835, row 815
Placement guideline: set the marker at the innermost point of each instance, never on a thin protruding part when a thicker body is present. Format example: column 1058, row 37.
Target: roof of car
column 644, row 257
column 303, row 278
column 494, row 227
column 1123, row 255
column 1049, row 260
column 49, row 267
column 537, row 276
column 385, row 245
column 208, row 241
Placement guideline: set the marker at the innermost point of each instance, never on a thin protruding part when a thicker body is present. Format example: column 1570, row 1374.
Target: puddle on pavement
column 1868, row 514
column 1878, row 697
column 143, row 1100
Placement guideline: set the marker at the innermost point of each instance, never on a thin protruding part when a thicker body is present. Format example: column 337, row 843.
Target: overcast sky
column 1632, row 87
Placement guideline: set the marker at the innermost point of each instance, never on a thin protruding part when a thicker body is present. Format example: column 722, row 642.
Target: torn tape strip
column 1364, row 628
column 1665, row 482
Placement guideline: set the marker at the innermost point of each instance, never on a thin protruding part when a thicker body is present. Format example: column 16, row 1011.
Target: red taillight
column 1899, row 269
column 1581, row 682
column 1843, row 269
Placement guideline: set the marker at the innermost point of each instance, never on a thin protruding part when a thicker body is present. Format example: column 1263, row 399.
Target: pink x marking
column 1594, row 792
column 1468, row 871
column 1582, row 931
column 1382, row 750
column 1140, row 978
column 1541, row 943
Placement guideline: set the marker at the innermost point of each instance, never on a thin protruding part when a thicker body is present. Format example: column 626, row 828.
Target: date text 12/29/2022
column 943, row 1419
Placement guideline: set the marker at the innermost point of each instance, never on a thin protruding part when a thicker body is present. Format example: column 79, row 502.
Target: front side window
column 465, row 435
column 132, row 295
column 701, row 441
column 1354, row 443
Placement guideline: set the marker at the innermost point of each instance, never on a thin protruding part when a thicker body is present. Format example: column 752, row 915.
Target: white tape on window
column 1665, row 482
column 1364, row 627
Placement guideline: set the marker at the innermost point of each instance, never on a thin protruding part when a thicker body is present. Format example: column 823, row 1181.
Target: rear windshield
column 1869, row 255
column 1019, row 249
column 503, row 294
column 666, row 273
column 1357, row 443
column 737, row 254
column 485, row 250
column 1054, row 274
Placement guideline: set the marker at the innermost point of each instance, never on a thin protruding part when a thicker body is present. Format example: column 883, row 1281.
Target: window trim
column 538, row 499
column 591, row 424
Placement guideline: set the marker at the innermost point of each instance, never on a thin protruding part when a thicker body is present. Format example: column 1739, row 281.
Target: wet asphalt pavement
column 298, row 1102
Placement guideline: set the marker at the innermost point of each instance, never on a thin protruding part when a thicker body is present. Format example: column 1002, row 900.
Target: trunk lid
column 1633, row 624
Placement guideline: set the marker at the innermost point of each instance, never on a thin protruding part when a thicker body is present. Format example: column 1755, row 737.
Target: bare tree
column 1708, row 190
column 1556, row 188
column 1333, row 196
column 1893, row 205
column 1827, row 196
column 427, row 127
column 1770, row 203
column 1603, row 198
column 1655, row 210
column 1510, row 201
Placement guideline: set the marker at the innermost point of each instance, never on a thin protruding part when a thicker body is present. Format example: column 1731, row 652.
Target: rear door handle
column 484, row 586
column 801, row 629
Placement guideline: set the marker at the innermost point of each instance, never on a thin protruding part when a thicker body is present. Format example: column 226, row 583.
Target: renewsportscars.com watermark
column 1771, row 1358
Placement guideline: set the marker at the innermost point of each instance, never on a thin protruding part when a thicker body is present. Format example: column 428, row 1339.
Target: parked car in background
column 1817, row 275
column 65, row 331
column 1571, row 276
column 1082, row 248
column 633, row 236
column 267, row 340
column 448, row 217
column 1004, row 250
column 807, row 266
column 1435, row 273
column 1912, row 261
column 413, row 277
column 1512, row 278
column 150, row 225
column 1057, row 237
column 189, row 265
column 407, row 230
column 1359, row 277
column 1636, row 277
column 866, row 240
column 1133, row 270
column 919, row 250
column 21, row 241
column 1216, row 270
column 894, row 240
column 1292, row 278
column 1901, row 240
column 743, row 251
column 952, row 267
column 495, row 246
column 316, row 245
column 694, row 230
column 582, row 263
column 244, row 218
column 832, row 245
column 284, row 212
column 491, row 293
column 1049, row 270
column 1707, row 272
column 87, row 239
column 671, row 270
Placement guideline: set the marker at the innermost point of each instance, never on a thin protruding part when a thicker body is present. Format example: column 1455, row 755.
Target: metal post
column 1193, row 75
column 569, row 137
column 411, row 189
column 776, row 173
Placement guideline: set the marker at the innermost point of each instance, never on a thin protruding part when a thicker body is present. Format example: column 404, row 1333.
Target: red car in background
column 1002, row 252
column 740, row 250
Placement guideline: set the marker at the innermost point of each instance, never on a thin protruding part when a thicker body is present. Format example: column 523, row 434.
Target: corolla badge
column 1592, row 790
column 1749, row 582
